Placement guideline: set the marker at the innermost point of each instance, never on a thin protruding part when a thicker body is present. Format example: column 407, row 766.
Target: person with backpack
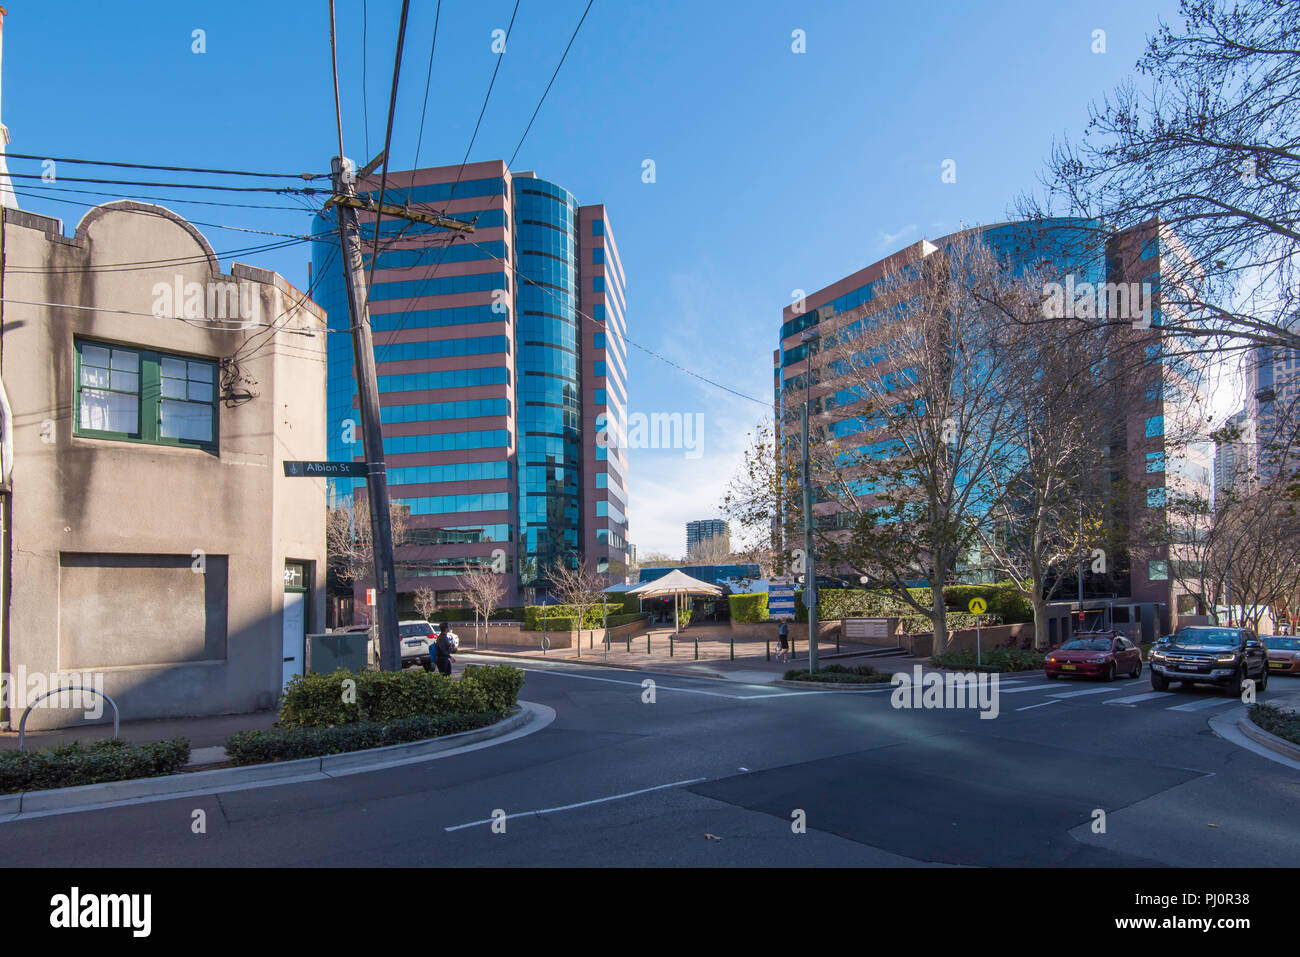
column 783, row 643
column 442, row 658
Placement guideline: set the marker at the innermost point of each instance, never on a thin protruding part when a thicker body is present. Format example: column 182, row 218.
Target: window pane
column 109, row 411
column 173, row 388
column 125, row 360
column 200, row 392
column 94, row 377
column 186, row 420
column 200, row 371
column 173, row 368
column 126, row 382
column 95, row 356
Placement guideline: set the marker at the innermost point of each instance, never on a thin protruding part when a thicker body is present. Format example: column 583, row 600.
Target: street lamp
column 810, row 590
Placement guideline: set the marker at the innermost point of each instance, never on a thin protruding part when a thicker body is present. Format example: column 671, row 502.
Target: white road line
column 1031, row 707
column 1084, row 691
column 1203, row 704
column 1002, row 690
column 1134, row 699
column 570, row 807
column 658, row 686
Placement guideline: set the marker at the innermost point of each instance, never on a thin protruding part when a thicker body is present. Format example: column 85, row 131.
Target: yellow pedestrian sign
column 978, row 606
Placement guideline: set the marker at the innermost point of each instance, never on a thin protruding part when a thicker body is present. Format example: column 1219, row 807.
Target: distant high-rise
column 1273, row 401
column 1231, row 455
column 496, row 352
column 713, row 532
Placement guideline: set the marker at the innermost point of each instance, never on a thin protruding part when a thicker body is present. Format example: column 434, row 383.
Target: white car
column 418, row 639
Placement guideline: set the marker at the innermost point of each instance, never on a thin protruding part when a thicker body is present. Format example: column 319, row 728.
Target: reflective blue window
column 597, row 256
column 598, row 227
column 437, row 411
column 1155, row 461
column 447, row 442
column 441, row 348
column 1155, row 426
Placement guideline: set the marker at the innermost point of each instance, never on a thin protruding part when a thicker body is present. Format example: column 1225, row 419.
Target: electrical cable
column 388, row 142
column 173, row 169
column 511, row 161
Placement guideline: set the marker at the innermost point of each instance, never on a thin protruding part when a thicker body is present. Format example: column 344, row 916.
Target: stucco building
column 152, row 538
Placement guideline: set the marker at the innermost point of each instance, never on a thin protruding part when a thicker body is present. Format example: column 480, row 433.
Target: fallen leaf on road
column 1211, row 825
column 712, row 837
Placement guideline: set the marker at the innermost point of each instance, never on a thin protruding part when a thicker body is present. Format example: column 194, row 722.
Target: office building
column 713, row 534
column 1169, row 382
column 496, row 353
column 1232, row 454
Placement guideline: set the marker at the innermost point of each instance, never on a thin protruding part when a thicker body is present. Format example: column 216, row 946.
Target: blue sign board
column 780, row 602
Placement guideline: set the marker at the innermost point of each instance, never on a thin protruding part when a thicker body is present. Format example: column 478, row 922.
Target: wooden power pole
column 346, row 201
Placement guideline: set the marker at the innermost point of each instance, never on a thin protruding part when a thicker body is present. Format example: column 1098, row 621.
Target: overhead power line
column 388, row 140
column 299, row 190
column 173, row 169
column 511, row 161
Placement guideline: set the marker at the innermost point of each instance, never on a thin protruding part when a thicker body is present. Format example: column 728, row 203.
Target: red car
column 1103, row 655
column 1283, row 654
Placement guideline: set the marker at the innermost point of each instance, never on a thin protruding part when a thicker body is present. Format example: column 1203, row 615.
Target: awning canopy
column 675, row 582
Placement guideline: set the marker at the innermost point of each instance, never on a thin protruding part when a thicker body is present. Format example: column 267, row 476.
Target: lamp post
column 810, row 589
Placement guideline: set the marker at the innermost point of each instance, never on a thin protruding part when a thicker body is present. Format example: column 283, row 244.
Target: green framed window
column 136, row 395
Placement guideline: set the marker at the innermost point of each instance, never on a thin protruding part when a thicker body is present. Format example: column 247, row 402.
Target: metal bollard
column 733, row 647
column 672, row 640
column 647, row 642
column 697, row 647
column 769, row 649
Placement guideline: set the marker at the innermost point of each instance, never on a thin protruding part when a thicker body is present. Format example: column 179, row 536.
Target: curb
column 1271, row 741
column 831, row 685
column 177, row 785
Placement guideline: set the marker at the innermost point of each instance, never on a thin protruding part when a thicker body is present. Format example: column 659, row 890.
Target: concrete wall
column 826, row 630
column 160, row 567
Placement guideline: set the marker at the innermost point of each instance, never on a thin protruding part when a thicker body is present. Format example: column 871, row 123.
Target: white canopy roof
column 676, row 582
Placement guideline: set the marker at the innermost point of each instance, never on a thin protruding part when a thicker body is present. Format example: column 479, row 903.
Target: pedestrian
column 442, row 649
column 783, row 643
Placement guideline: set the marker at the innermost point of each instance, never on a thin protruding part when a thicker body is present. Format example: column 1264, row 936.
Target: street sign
column 370, row 597
column 780, row 602
column 325, row 469
column 978, row 606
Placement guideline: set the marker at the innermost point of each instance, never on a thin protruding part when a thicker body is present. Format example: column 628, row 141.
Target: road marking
column 570, row 807
column 1084, row 691
column 1203, row 704
column 1134, row 699
column 1031, row 707
column 661, row 687
column 1037, row 687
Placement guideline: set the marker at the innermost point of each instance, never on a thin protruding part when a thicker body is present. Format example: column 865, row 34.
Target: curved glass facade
column 547, row 351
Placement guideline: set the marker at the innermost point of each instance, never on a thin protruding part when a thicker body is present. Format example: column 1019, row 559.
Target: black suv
column 1210, row 654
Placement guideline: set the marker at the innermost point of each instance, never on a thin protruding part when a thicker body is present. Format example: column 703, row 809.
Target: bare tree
column 426, row 603
column 710, row 551
column 579, row 587
column 923, row 409
column 349, row 544
column 1061, row 496
column 484, row 590
column 762, row 501
column 1206, row 144
column 658, row 560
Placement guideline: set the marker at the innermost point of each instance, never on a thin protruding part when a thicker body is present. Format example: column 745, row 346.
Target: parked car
column 416, row 638
column 1283, row 654
column 1099, row 654
column 1210, row 654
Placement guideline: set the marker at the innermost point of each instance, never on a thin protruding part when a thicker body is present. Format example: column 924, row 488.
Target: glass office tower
column 493, row 353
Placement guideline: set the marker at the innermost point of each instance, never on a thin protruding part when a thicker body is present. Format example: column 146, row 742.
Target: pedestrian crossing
column 1120, row 694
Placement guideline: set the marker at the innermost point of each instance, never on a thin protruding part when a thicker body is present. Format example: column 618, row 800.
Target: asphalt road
column 715, row 773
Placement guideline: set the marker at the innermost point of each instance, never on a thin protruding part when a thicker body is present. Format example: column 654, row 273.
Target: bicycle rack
column 23, row 723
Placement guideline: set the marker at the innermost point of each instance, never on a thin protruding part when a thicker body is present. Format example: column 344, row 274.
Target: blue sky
column 775, row 170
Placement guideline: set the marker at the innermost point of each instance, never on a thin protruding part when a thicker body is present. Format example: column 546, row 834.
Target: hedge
column 1007, row 602
column 318, row 700
column 565, row 614
column 467, row 614
column 109, row 759
column 748, row 608
column 288, row 744
column 995, row 659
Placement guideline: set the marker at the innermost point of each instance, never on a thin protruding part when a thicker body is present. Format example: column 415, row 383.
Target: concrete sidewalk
column 716, row 646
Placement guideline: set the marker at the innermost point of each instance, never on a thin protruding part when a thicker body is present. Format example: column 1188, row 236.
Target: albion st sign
column 325, row 469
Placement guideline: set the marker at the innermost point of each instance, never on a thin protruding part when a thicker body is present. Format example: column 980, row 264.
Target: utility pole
column 810, row 580
column 347, row 204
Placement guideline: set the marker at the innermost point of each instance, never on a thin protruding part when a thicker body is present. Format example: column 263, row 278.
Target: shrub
column 748, row 608
column 1276, row 721
column 995, row 659
column 109, row 759
column 561, row 617
column 288, row 744
column 467, row 614
column 500, row 684
column 839, row 674
column 317, row 700
column 616, row 620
